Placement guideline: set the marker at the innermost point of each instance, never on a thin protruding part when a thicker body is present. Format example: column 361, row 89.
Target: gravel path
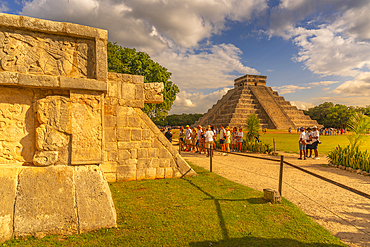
column 320, row 200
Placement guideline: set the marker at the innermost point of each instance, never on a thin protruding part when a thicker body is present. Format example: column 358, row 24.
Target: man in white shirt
column 209, row 138
column 188, row 138
column 302, row 144
column 315, row 141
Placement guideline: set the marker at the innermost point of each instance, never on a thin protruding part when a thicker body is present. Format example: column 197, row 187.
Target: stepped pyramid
column 251, row 95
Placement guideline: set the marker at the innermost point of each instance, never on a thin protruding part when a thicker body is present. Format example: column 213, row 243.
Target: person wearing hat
column 302, row 144
column 308, row 142
column 316, row 141
column 168, row 134
column 188, row 133
column 227, row 139
column 209, row 138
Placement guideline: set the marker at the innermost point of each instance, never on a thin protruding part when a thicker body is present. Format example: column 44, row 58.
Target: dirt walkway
column 328, row 201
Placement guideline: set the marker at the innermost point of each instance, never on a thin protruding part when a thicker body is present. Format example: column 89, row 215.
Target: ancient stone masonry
column 67, row 127
column 250, row 95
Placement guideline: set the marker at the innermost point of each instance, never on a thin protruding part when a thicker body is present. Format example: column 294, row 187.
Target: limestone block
column 109, row 167
column 128, row 78
column 160, row 172
column 168, row 172
column 45, row 158
column 126, row 173
column 128, row 91
column 122, row 116
column 112, row 156
column 110, row 121
column 45, row 202
column 148, row 121
column 153, row 152
column 133, row 121
column 86, row 127
column 151, row 173
column 101, row 59
column 110, row 108
column 139, row 92
column 183, row 167
column 163, row 153
column 110, row 134
column 111, row 146
column 128, row 162
column 153, row 92
column 128, row 145
column 142, row 153
column 132, row 103
column 110, row 176
column 154, row 162
column 123, row 134
column 40, row 24
column 146, row 134
column 124, row 155
column 38, row 80
column 138, row 79
column 167, row 144
column 140, row 174
column 83, row 83
column 114, row 89
column 8, row 185
column 10, row 20
column 164, row 162
column 49, row 138
column 145, row 144
column 8, row 78
column 271, row 195
column 136, row 134
column 133, row 153
column 17, row 125
column 143, row 163
column 176, row 173
column 94, row 202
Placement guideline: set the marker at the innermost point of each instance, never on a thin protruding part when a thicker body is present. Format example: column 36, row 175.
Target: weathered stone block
column 110, row 134
column 138, row 79
column 126, row 173
column 123, row 134
column 128, row 145
column 38, row 80
column 136, row 134
column 168, row 172
column 154, row 162
column 110, row 176
column 114, row 89
column 45, row 202
column 112, row 156
column 183, row 167
column 153, row 152
column 143, row 163
column 160, row 172
column 124, row 155
column 163, row 153
column 128, row 91
column 8, row 185
column 271, row 195
column 151, row 173
column 126, row 78
column 133, row 153
column 146, row 134
column 142, row 153
column 94, row 202
column 110, row 121
column 111, row 146
column 140, row 174
column 109, row 167
column 176, row 173
column 164, row 162
column 145, row 144
column 133, row 121
column 122, row 116
column 82, row 83
column 110, row 109
column 139, row 92
column 148, row 121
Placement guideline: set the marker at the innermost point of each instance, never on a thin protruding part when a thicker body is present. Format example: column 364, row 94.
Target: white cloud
column 302, row 105
column 209, row 67
column 196, row 102
column 289, row 89
column 3, row 7
column 360, row 86
column 323, row 83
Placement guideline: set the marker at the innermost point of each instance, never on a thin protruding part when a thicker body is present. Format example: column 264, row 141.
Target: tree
column 319, row 112
column 129, row 61
column 253, row 125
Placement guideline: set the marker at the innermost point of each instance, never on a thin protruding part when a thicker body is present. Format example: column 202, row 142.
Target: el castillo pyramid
column 251, row 95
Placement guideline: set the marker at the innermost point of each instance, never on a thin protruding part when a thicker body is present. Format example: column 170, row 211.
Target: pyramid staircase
column 250, row 97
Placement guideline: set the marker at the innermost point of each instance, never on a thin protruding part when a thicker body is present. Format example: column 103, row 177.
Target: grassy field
column 206, row 210
column 289, row 142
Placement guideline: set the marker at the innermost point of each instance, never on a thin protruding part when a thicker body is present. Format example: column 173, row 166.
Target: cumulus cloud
column 3, row 7
column 196, row 102
column 323, row 83
column 332, row 35
column 360, row 86
column 289, row 89
column 302, row 105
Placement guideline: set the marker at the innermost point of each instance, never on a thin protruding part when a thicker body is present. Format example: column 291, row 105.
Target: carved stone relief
column 46, row 54
column 153, row 92
column 16, row 125
column 86, row 128
column 54, row 133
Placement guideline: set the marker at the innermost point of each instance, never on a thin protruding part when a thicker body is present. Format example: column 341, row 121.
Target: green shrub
column 350, row 157
column 256, row 146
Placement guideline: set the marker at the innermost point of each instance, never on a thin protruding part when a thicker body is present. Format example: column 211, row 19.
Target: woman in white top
column 239, row 140
column 302, row 144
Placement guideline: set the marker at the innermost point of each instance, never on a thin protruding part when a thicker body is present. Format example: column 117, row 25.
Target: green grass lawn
column 206, row 210
column 289, row 142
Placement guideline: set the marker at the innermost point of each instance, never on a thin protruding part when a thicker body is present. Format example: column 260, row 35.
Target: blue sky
column 311, row 51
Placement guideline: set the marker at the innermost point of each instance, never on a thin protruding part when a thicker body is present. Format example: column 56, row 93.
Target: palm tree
column 358, row 125
column 253, row 125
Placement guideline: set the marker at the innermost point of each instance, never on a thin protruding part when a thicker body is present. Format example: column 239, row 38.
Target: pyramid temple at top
column 251, row 95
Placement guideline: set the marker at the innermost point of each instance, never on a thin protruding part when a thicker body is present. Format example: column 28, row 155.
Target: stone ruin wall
column 67, row 126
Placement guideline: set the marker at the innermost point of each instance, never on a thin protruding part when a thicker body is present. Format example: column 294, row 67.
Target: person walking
column 194, row 139
column 168, row 135
column 302, row 144
column 188, row 138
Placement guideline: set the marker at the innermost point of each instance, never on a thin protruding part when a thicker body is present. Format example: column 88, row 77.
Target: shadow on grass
column 257, row 241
